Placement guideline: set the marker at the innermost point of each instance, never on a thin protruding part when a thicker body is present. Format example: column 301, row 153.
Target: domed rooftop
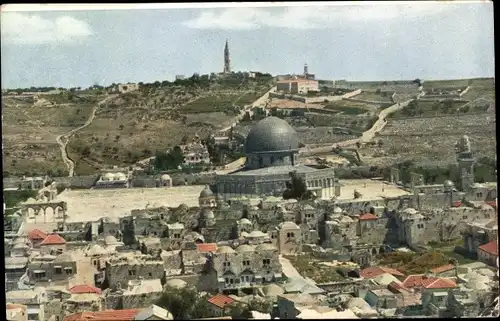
column 206, row 192
column 448, row 183
column 224, row 249
column 245, row 221
column 244, row 248
column 271, row 134
column 256, row 233
column 288, row 225
column 273, row 290
column 265, row 247
column 166, row 177
column 110, row 239
column 176, row 283
column 337, row 210
column 410, row 211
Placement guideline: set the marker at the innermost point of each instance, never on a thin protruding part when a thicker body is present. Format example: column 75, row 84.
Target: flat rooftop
column 370, row 189
column 90, row 205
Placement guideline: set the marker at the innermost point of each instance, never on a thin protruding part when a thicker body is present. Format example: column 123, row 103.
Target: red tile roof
column 374, row 271
column 36, row 235
column 53, row 239
column 492, row 204
column 422, row 281
column 457, row 204
column 206, row 247
column 220, row 300
column 490, row 248
column 444, row 268
column 440, row 283
column 367, row 217
column 84, row 288
column 109, row 315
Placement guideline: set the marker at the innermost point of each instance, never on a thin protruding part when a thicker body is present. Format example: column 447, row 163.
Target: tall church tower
column 466, row 161
column 227, row 60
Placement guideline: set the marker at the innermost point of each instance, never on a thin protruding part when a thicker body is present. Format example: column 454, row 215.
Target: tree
column 184, row 303
column 297, row 188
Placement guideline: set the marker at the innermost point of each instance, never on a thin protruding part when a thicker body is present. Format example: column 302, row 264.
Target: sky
column 359, row 42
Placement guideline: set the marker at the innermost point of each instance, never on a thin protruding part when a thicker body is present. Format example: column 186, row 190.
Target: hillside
column 127, row 128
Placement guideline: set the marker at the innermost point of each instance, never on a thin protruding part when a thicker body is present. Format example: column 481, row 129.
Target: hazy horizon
column 357, row 42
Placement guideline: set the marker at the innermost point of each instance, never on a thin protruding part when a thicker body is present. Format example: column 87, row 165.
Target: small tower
column 306, row 69
column 466, row 162
column 227, row 59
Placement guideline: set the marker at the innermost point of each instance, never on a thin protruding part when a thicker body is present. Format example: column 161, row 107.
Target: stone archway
column 38, row 211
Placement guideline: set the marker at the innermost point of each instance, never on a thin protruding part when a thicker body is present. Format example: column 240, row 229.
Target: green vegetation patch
column 12, row 198
column 348, row 108
column 429, row 108
column 310, row 267
column 210, row 104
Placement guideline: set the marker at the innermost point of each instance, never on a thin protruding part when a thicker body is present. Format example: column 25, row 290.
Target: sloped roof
column 424, row 281
column 220, row 300
column 206, row 247
column 444, row 268
column 440, row 283
column 109, row 315
column 367, row 217
column 375, row 271
column 53, row 239
column 490, row 248
column 36, row 235
column 84, row 288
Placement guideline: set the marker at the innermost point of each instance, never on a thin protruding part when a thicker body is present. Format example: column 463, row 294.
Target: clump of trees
column 169, row 160
column 296, row 188
column 184, row 303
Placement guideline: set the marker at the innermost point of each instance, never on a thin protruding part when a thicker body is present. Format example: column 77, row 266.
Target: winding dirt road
column 63, row 140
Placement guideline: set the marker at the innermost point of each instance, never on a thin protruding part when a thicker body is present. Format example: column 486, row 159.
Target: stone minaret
column 466, row 161
column 306, row 70
column 227, row 59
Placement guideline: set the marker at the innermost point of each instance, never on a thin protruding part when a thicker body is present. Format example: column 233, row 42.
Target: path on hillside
column 63, row 139
column 367, row 135
column 260, row 101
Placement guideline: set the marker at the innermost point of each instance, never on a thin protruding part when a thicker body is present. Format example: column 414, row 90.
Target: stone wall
column 77, row 181
column 144, row 181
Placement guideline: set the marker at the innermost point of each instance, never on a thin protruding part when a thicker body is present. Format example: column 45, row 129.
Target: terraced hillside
column 137, row 124
column 31, row 125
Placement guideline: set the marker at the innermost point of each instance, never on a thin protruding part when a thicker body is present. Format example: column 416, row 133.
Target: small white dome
column 176, row 283
column 166, row 177
column 245, row 221
column 120, row 177
column 224, row 249
column 410, row 211
column 256, row 234
column 337, row 210
column 108, row 176
column 245, row 248
column 288, row 225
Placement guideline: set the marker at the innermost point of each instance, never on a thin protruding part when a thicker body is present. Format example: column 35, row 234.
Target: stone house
column 381, row 299
column 34, row 299
column 110, row 226
column 138, row 293
column 219, row 305
column 36, row 237
column 53, row 242
column 20, row 247
column 15, row 268
column 195, row 153
column 289, row 306
column 289, row 238
column 123, row 269
column 83, row 298
column 488, row 253
column 230, row 271
column 54, row 268
column 16, row 312
column 478, row 233
column 176, row 231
